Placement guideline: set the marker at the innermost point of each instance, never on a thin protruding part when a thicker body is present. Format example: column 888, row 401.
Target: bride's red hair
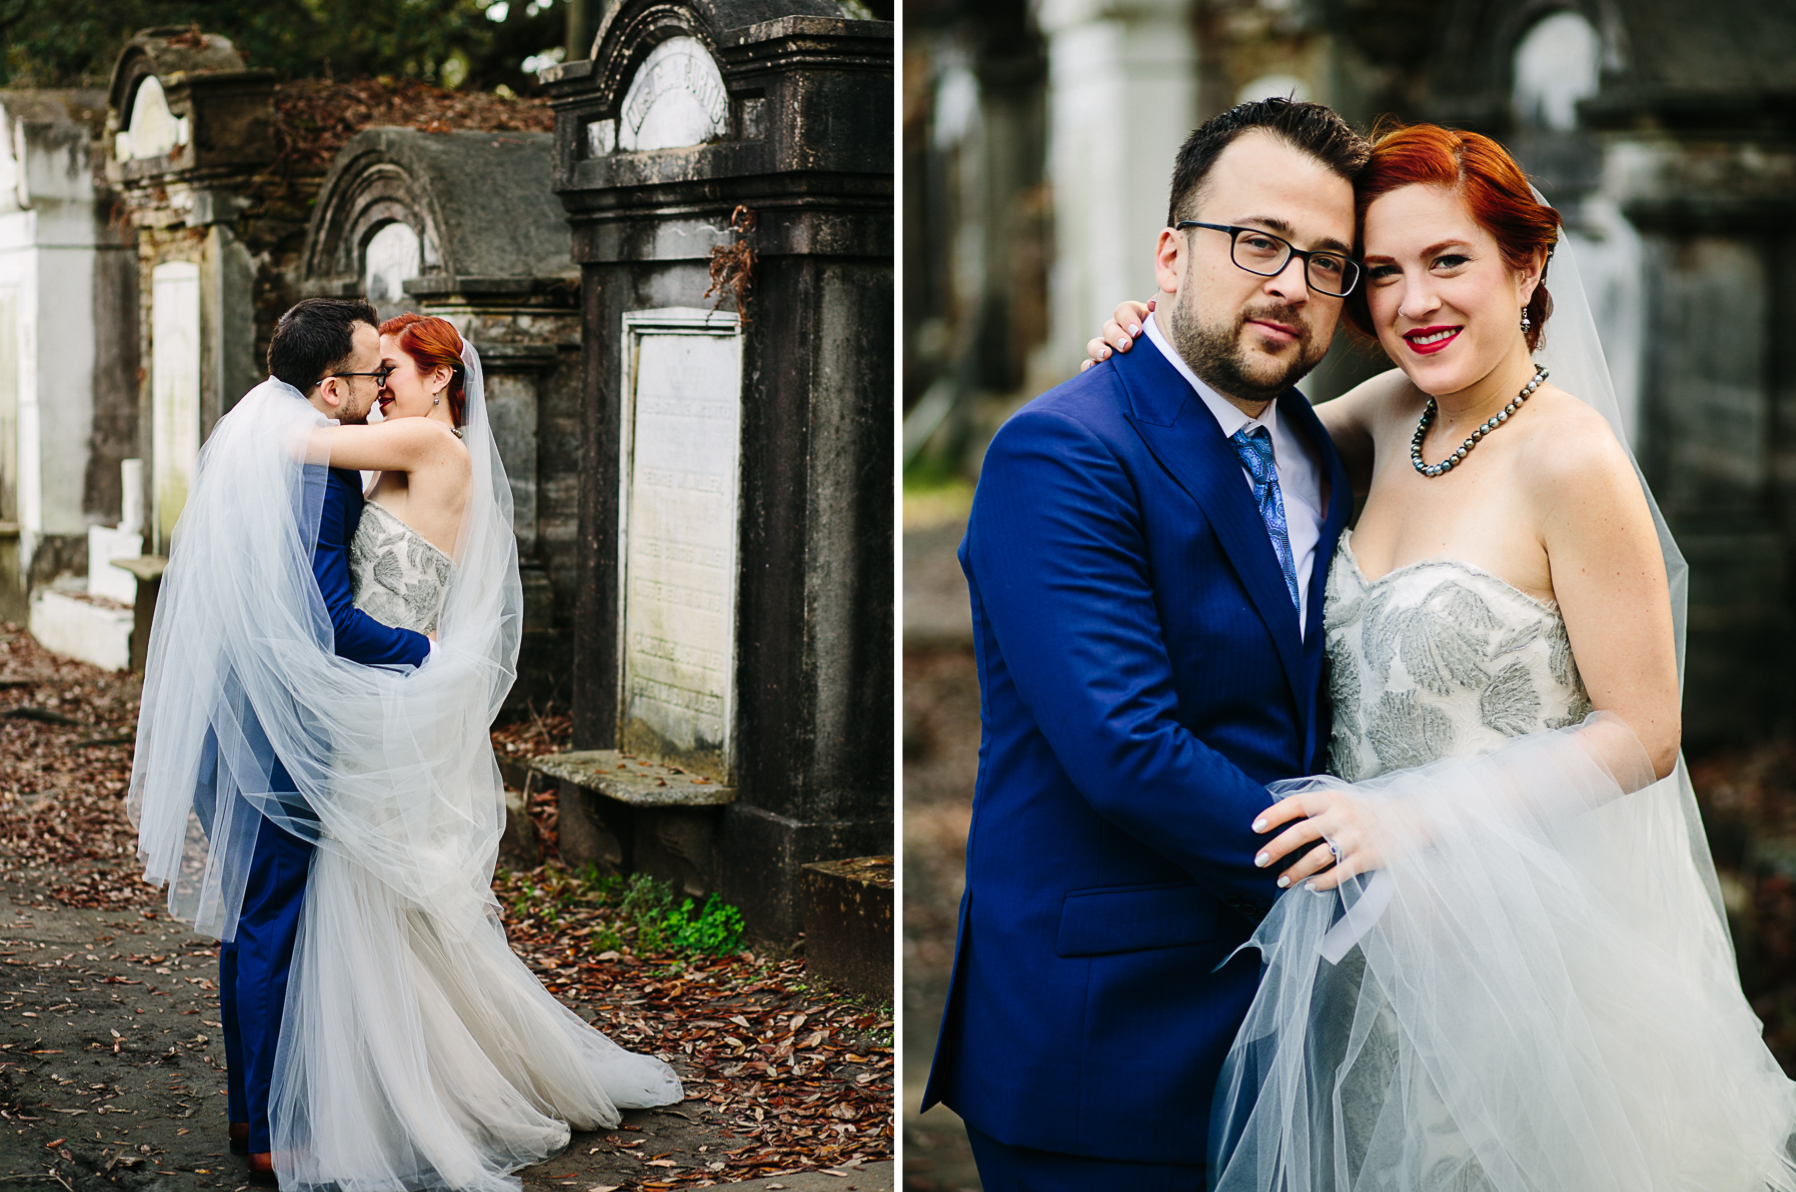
column 433, row 342
column 1482, row 173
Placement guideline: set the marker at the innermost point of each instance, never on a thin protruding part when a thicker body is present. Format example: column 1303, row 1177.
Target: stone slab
column 148, row 568
column 846, row 908
column 90, row 630
column 631, row 780
column 683, row 435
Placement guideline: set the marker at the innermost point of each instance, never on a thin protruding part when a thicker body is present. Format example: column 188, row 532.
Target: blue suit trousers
column 252, row 973
column 1006, row 1168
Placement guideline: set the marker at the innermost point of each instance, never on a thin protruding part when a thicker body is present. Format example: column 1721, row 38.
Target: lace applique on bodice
column 398, row 577
column 1439, row 659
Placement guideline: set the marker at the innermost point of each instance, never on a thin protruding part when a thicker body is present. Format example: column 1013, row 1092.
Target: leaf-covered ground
column 781, row 1076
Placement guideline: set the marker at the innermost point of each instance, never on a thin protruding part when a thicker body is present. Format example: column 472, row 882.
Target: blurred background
column 1038, row 141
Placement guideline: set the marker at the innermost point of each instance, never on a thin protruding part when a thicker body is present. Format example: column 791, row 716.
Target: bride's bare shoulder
column 1571, row 446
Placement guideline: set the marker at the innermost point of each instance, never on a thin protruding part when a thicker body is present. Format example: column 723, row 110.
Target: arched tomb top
column 676, row 98
column 165, row 52
column 477, row 203
column 634, row 31
column 1557, row 63
column 1666, row 55
column 182, row 104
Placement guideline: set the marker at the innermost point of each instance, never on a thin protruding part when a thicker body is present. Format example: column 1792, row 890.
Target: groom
column 329, row 350
column 1146, row 556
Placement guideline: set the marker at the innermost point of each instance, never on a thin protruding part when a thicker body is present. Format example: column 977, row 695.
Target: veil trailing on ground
column 393, row 768
column 1537, row 993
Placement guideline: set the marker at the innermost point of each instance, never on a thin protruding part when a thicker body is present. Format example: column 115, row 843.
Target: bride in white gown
column 1517, row 975
column 416, row 1050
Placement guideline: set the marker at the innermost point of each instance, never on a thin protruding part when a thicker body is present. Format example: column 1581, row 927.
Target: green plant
column 645, row 898
column 717, row 929
column 605, row 889
column 645, row 904
column 607, row 939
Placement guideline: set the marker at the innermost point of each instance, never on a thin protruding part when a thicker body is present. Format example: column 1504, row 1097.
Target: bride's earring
column 437, row 401
column 1526, row 321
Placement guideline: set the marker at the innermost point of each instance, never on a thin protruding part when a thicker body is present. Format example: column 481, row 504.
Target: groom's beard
column 1215, row 354
column 348, row 414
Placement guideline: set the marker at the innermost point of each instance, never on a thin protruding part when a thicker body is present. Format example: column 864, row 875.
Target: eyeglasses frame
column 1234, row 230
column 381, row 374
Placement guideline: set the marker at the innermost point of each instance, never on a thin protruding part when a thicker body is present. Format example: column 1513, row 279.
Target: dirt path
column 112, row 1057
column 112, row 1068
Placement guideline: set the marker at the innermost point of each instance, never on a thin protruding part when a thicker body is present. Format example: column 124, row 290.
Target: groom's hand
column 1323, row 816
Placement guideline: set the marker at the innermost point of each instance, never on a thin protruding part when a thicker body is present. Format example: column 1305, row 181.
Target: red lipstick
column 1437, row 337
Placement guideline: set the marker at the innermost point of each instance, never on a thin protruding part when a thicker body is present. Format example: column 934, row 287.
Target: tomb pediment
column 702, row 79
column 183, row 105
column 403, row 209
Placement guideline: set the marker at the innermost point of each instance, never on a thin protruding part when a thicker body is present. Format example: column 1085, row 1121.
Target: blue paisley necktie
column 1254, row 446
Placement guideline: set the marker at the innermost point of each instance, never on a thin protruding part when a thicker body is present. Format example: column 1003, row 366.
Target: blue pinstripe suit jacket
column 1142, row 679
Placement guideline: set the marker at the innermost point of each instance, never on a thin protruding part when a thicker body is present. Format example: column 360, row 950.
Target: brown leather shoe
column 240, row 1138
column 261, row 1169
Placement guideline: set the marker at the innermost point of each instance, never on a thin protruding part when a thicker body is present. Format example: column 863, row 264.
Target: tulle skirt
column 418, row 1052
column 1536, row 994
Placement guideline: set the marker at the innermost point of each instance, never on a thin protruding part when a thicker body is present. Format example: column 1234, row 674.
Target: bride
column 1518, row 975
column 416, row 1050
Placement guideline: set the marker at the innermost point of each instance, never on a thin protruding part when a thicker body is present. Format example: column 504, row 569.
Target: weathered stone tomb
column 727, row 171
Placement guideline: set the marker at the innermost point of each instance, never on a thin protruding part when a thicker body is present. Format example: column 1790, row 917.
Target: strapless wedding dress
column 417, row 1051
column 1537, row 994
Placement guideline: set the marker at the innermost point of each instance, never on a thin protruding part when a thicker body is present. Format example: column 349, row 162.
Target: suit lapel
column 1334, row 520
column 1185, row 437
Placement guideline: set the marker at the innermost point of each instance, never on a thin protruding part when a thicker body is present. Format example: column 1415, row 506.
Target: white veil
column 1538, row 992
column 416, row 1050
column 391, row 768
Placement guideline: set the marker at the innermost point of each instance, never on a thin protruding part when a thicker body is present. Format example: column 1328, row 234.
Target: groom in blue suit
column 329, row 350
column 1146, row 557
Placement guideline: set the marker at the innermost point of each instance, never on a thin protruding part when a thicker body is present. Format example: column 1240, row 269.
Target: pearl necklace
column 1488, row 425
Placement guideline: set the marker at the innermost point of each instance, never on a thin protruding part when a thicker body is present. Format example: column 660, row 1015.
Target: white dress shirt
column 1299, row 476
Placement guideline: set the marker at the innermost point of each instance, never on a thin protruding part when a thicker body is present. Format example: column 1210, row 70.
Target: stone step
column 846, row 909
column 631, row 780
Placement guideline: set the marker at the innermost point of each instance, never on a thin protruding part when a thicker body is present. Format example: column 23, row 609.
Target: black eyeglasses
column 1260, row 252
column 380, row 374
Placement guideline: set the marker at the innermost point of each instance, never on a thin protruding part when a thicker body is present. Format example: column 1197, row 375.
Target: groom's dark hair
column 314, row 338
column 1313, row 128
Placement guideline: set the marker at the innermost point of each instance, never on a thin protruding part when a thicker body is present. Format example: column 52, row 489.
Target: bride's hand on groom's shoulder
column 1119, row 334
column 1317, row 818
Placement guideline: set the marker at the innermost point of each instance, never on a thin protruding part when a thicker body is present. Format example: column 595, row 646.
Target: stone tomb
column 67, row 384
column 188, row 128
column 733, row 645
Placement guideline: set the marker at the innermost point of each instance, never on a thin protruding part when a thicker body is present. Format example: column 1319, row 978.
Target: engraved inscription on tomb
column 679, row 548
column 677, row 98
